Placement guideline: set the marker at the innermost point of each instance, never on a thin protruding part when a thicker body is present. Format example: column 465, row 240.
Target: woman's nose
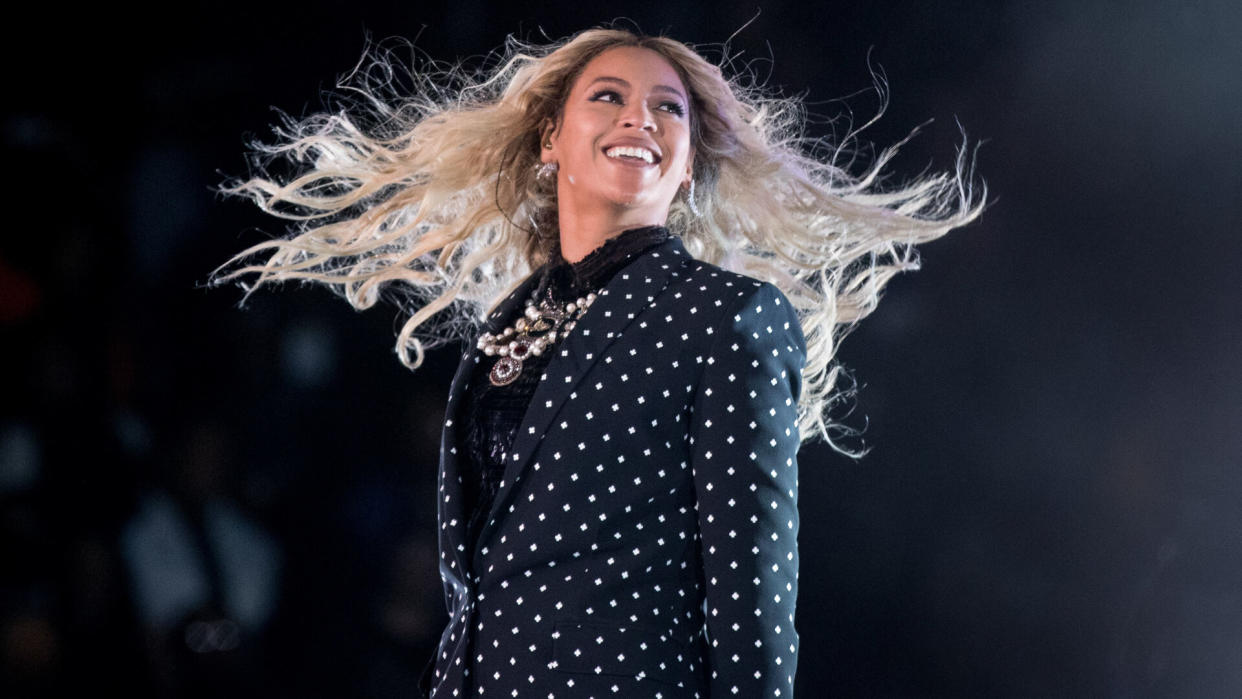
column 636, row 115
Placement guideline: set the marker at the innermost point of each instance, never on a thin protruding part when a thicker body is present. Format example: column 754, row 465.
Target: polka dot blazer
column 643, row 542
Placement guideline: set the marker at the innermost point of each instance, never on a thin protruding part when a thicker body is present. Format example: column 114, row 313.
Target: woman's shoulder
column 725, row 285
column 711, row 291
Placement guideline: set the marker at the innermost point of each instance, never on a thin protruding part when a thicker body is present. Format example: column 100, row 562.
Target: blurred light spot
column 20, row 457
column 308, row 354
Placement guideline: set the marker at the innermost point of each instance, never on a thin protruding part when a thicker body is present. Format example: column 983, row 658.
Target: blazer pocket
column 624, row 650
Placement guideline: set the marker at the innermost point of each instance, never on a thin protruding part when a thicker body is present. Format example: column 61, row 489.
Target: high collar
column 563, row 279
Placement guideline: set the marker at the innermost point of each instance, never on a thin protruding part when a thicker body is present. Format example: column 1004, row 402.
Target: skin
column 625, row 96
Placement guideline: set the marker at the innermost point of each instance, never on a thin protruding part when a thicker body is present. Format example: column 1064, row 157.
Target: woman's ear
column 547, row 143
column 689, row 168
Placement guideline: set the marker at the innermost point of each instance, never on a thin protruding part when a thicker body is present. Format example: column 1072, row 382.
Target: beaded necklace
column 546, row 320
column 540, row 326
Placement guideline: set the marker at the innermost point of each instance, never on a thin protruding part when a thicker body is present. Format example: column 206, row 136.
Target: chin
column 628, row 200
column 631, row 197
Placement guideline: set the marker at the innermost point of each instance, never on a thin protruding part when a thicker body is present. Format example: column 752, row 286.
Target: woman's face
column 623, row 140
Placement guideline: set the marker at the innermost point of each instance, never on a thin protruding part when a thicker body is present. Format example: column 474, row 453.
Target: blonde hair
column 433, row 195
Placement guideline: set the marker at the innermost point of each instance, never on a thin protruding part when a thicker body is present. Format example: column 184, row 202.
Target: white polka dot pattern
column 745, row 446
column 643, row 542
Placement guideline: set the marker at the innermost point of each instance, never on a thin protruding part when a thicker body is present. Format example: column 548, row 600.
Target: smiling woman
column 622, row 145
column 661, row 268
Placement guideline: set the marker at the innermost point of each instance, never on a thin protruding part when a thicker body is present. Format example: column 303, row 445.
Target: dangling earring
column 546, row 172
column 694, row 208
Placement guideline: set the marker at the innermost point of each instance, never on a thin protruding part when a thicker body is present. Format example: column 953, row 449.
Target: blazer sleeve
column 744, row 445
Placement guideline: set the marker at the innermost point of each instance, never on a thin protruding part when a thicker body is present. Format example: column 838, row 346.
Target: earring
column 694, row 209
column 545, row 172
column 548, row 145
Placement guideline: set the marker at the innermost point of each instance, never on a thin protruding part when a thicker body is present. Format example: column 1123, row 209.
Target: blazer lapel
column 633, row 289
column 453, row 515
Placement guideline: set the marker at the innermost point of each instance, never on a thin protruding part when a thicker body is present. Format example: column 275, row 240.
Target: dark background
column 1050, row 504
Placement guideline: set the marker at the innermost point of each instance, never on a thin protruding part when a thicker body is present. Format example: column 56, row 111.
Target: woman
column 618, row 487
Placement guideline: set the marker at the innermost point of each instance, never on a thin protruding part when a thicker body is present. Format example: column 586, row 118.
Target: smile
column 631, row 153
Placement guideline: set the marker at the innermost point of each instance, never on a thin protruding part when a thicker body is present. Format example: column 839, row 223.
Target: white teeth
column 631, row 152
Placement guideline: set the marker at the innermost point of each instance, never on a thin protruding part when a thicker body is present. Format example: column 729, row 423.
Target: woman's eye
column 606, row 96
column 673, row 108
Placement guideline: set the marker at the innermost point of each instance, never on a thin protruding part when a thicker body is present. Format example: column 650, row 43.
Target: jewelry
column 546, row 171
column 540, row 326
column 694, row 209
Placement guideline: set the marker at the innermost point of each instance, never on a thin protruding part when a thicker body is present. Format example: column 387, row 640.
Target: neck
column 582, row 231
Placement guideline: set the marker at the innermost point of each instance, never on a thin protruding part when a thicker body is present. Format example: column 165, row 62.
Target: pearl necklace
column 540, row 326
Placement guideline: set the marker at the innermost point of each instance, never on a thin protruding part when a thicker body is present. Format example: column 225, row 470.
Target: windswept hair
column 432, row 196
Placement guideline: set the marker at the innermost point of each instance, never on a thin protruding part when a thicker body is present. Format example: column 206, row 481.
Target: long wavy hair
column 429, row 195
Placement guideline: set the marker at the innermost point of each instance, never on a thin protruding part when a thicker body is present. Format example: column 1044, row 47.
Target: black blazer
column 643, row 542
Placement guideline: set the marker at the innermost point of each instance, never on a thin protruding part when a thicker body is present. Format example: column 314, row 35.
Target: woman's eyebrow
column 626, row 84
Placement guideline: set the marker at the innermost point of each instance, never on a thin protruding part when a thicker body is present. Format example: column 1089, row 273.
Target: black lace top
column 495, row 412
